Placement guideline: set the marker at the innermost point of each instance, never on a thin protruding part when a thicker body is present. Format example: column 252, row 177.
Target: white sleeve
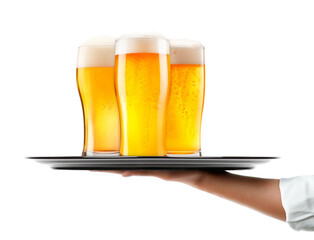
column 297, row 196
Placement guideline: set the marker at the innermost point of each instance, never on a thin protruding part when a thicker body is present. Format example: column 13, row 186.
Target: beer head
column 142, row 43
column 183, row 51
column 97, row 52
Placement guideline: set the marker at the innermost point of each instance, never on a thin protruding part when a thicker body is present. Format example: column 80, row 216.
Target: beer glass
column 186, row 99
column 142, row 84
column 95, row 81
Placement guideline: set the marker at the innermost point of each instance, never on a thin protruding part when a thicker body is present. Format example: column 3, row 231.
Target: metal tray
column 152, row 163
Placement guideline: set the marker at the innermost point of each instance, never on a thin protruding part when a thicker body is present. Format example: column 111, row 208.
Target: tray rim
column 152, row 160
column 151, row 157
column 125, row 163
column 206, row 163
column 148, row 158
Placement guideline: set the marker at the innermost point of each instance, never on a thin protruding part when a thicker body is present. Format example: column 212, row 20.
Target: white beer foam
column 97, row 52
column 142, row 43
column 185, row 51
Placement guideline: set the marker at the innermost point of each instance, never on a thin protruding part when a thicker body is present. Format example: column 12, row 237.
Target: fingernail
column 126, row 174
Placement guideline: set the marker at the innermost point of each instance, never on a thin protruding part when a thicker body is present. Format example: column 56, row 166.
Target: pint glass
column 95, row 81
column 142, row 85
column 186, row 99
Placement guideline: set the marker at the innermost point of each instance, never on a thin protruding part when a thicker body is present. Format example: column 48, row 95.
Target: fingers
column 168, row 175
column 188, row 177
column 108, row 171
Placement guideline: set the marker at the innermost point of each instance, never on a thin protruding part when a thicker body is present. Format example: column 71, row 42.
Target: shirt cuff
column 297, row 196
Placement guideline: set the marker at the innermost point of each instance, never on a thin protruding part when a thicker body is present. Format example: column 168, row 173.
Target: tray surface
column 152, row 163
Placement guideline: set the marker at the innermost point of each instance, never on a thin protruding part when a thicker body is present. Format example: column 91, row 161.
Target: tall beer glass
column 186, row 100
column 142, row 86
column 95, row 81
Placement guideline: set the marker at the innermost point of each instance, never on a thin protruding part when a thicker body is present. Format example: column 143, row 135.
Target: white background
column 259, row 101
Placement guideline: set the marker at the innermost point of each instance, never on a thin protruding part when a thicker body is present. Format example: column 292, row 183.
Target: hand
column 192, row 178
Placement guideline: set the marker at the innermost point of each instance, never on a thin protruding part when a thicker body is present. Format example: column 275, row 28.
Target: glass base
column 101, row 154
column 184, row 154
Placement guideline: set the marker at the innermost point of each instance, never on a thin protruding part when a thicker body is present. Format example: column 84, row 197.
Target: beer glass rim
column 100, row 40
column 96, row 52
column 142, row 36
column 185, row 43
column 186, row 51
column 100, row 45
column 142, row 43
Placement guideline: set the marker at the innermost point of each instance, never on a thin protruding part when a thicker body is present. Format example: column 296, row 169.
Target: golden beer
column 142, row 85
column 95, row 81
column 186, row 99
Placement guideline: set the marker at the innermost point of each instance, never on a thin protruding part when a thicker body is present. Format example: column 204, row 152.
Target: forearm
column 260, row 194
